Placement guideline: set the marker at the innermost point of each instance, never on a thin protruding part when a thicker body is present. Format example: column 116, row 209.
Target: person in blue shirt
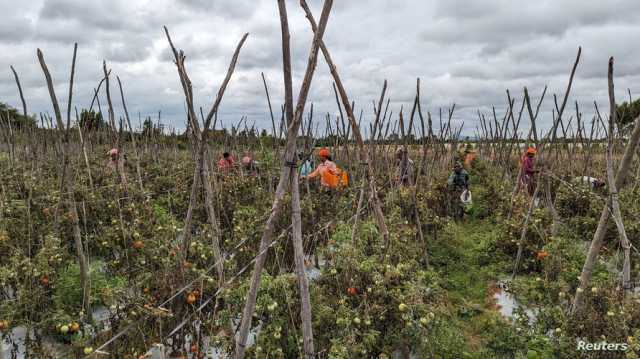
column 306, row 167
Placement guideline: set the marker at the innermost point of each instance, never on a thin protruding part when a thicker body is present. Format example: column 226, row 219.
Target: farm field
column 401, row 238
column 449, row 293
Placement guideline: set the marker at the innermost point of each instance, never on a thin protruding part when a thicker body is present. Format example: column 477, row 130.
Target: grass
column 461, row 256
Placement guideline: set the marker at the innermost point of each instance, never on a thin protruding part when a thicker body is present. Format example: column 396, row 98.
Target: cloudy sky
column 464, row 52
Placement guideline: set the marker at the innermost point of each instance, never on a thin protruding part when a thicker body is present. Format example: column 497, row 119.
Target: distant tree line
column 93, row 121
column 15, row 118
column 626, row 113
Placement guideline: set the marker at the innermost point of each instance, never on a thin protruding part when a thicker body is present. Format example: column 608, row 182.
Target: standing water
column 507, row 303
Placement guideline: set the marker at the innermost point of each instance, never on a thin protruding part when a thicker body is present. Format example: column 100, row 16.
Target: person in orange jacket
column 324, row 169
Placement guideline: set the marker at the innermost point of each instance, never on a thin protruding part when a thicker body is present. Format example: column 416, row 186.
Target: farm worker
column 527, row 170
column 114, row 159
column 404, row 169
column 469, row 156
column 306, row 167
column 458, row 182
column 459, row 178
column 226, row 163
column 113, row 154
column 249, row 166
column 326, row 170
column 591, row 181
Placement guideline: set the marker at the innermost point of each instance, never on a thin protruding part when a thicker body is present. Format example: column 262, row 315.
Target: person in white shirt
column 590, row 181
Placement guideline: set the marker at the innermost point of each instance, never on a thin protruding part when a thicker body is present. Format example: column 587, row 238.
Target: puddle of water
column 397, row 354
column 101, row 324
column 312, row 273
column 101, row 317
column 18, row 335
column 507, row 304
column 310, row 270
column 210, row 350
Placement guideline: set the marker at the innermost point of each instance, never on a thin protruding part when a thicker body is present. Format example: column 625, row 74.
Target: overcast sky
column 464, row 52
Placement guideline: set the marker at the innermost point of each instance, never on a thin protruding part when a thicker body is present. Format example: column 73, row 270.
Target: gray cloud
column 15, row 29
column 467, row 53
column 239, row 9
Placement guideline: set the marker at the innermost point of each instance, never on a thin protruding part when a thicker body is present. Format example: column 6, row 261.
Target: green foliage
column 104, row 288
column 491, row 197
column 504, row 341
column 444, row 310
column 17, row 119
column 627, row 113
column 92, row 121
column 149, row 129
column 161, row 214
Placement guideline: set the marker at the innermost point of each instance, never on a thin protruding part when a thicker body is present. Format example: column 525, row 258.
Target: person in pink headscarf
column 249, row 166
column 116, row 163
column 113, row 158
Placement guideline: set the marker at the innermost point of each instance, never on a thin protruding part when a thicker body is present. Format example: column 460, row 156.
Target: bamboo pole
column 598, row 237
column 287, row 172
column 200, row 138
column 615, row 185
column 296, row 216
column 364, row 155
column 84, row 150
column 133, row 137
column 68, row 184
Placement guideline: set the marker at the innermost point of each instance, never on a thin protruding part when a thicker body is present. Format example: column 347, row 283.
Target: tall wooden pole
column 286, row 174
